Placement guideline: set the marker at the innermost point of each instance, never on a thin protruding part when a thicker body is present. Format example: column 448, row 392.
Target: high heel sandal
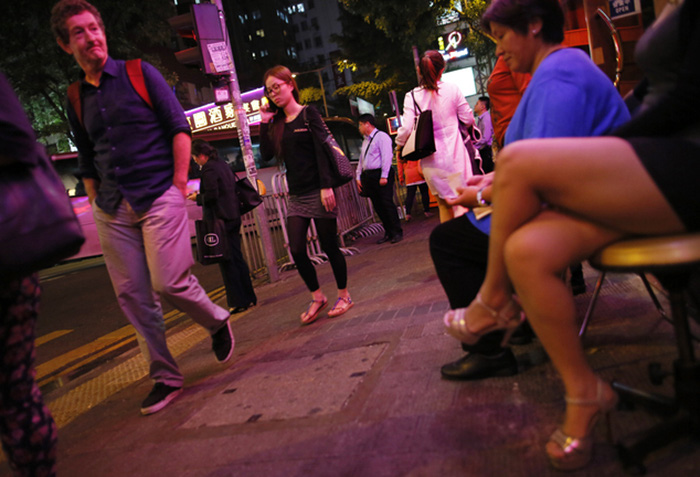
column 508, row 318
column 575, row 452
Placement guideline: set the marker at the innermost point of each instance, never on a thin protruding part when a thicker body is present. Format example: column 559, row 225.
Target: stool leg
column 650, row 290
column 591, row 305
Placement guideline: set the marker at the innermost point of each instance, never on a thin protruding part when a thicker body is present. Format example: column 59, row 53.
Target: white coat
column 449, row 167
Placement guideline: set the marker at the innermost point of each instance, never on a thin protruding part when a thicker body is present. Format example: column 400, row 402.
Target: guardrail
column 355, row 218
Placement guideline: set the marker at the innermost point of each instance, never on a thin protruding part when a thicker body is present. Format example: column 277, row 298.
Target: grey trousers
column 148, row 256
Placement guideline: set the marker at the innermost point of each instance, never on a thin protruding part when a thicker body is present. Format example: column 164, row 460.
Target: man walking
column 133, row 156
column 483, row 122
column 375, row 177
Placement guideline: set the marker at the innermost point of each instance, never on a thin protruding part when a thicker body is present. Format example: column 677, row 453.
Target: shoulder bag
column 470, row 135
column 421, row 141
column 212, row 244
column 38, row 227
column 248, row 197
column 341, row 169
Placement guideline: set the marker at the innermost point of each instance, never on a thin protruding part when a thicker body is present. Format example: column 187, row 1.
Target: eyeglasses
column 274, row 88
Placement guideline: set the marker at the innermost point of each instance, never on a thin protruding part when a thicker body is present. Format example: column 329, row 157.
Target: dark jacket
column 217, row 191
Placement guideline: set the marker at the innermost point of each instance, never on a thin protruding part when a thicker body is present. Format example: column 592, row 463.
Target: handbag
column 470, row 135
column 38, row 227
column 341, row 169
column 248, row 197
column 212, row 244
column 421, row 141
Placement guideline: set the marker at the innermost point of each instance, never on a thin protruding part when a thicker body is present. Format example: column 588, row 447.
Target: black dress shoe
column 481, row 366
column 523, row 335
column 386, row 238
column 397, row 238
column 240, row 309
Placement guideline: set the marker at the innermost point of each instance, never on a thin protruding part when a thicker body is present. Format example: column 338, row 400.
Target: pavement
column 360, row 394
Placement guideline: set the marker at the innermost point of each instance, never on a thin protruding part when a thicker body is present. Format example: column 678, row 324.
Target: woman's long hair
column 430, row 67
column 277, row 124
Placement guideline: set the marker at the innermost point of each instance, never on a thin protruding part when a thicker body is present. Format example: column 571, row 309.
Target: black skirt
column 674, row 165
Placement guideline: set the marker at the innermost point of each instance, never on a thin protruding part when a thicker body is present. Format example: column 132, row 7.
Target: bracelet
column 482, row 202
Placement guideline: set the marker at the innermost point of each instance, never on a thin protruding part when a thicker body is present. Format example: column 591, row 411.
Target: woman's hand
column 328, row 199
column 480, row 181
column 192, row 196
column 466, row 197
column 265, row 114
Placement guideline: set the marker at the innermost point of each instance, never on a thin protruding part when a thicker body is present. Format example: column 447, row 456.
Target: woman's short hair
column 200, row 146
column 430, row 68
column 519, row 14
column 65, row 9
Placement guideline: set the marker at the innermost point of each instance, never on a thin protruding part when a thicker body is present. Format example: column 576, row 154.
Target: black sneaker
column 160, row 396
column 222, row 343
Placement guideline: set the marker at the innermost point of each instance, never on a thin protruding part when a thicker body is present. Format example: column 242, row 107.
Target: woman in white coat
column 450, row 164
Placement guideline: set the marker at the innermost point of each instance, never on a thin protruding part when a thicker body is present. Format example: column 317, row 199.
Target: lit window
column 260, row 33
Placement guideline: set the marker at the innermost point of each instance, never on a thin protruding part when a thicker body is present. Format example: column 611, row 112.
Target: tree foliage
column 40, row 71
column 380, row 35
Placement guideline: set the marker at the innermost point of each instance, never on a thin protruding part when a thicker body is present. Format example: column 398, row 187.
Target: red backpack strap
column 74, row 99
column 133, row 69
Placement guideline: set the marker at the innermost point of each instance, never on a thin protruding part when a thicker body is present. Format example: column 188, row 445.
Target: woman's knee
column 526, row 253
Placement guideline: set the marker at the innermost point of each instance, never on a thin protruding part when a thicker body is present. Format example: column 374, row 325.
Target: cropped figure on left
column 27, row 429
column 134, row 153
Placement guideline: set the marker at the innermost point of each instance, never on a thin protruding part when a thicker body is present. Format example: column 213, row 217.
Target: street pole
column 323, row 91
column 243, row 132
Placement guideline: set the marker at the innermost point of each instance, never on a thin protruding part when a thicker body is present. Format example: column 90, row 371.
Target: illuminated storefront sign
column 452, row 50
column 212, row 116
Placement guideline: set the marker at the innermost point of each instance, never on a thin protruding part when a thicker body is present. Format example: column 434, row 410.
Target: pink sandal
column 311, row 317
column 508, row 318
column 342, row 305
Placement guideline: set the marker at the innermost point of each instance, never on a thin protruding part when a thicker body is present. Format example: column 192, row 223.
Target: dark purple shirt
column 125, row 144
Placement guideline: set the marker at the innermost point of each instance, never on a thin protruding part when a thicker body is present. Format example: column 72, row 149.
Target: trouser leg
column 123, row 247
column 27, row 429
column 425, row 196
column 235, row 272
column 486, row 154
column 410, row 197
column 459, row 252
column 168, row 250
column 386, row 194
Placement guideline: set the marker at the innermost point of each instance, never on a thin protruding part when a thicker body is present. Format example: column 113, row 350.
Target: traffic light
column 204, row 25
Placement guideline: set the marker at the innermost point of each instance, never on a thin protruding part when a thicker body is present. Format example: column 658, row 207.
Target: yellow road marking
column 51, row 336
column 101, row 346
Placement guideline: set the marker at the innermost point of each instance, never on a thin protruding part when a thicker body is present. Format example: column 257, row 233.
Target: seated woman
column 567, row 96
column 557, row 201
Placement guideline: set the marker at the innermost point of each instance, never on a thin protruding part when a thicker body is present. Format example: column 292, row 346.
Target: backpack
column 133, row 69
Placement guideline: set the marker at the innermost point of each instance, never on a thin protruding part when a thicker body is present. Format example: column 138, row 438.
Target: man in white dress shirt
column 375, row 177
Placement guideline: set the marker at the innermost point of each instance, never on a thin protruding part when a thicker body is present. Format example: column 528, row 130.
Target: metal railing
column 355, row 218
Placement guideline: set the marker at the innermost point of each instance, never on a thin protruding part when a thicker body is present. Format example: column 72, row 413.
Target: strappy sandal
column 342, row 304
column 311, row 317
column 508, row 318
column 573, row 453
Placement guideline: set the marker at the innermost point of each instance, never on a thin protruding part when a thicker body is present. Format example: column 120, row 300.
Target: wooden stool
column 671, row 259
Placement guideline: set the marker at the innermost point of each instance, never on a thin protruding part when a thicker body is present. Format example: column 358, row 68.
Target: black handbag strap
column 416, row 105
